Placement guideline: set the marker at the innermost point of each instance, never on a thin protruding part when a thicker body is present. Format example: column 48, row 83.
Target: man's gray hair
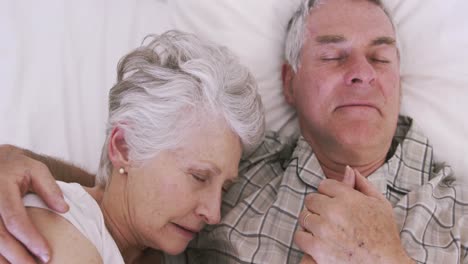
column 296, row 31
column 175, row 81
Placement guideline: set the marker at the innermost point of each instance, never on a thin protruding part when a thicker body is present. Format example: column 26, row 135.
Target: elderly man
column 342, row 77
column 307, row 201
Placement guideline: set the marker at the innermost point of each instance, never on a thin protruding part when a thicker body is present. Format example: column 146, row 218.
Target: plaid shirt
column 260, row 212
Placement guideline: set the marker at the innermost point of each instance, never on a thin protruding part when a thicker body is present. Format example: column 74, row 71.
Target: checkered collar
column 409, row 164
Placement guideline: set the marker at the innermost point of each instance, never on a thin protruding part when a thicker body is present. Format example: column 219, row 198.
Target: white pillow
column 434, row 47
column 434, row 41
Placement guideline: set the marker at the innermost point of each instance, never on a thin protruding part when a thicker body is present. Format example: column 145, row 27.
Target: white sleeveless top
column 87, row 217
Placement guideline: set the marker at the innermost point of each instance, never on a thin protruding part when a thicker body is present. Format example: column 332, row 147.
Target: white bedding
column 58, row 63
column 59, row 57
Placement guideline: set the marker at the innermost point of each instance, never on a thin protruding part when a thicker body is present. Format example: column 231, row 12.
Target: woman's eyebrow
column 206, row 166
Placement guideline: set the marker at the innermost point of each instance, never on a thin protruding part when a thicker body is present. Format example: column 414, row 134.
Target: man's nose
column 359, row 71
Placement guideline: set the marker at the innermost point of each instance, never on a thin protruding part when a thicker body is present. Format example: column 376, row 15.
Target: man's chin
column 360, row 136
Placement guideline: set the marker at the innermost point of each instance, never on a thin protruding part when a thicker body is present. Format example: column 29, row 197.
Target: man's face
column 347, row 87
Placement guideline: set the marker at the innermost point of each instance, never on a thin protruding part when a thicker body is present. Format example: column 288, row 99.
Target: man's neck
column 334, row 160
column 334, row 170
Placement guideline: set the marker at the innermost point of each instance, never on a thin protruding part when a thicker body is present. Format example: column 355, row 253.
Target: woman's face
column 172, row 196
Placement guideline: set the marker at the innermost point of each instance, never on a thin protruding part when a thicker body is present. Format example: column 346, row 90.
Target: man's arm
column 61, row 170
column 23, row 171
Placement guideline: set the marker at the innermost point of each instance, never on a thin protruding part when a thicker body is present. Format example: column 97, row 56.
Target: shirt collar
column 410, row 155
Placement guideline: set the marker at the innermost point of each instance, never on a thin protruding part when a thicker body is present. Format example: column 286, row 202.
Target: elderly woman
column 181, row 115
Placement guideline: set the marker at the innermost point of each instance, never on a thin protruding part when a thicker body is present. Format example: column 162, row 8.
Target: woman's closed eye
column 199, row 178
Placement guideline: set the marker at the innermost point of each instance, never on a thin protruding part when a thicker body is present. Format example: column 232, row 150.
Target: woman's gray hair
column 296, row 30
column 172, row 83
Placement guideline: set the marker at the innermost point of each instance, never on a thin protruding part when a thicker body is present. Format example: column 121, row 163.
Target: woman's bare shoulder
column 68, row 244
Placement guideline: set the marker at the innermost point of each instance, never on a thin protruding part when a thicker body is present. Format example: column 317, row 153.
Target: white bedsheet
column 58, row 61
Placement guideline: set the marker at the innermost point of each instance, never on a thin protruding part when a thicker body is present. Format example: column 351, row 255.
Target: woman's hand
column 20, row 174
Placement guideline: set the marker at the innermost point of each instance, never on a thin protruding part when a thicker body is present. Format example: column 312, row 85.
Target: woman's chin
column 175, row 249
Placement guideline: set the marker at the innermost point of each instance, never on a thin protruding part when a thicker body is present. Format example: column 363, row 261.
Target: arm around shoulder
column 67, row 243
column 61, row 170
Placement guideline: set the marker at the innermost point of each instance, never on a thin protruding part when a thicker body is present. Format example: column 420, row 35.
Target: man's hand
column 307, row 259
column 342, row 224
column 20, row 174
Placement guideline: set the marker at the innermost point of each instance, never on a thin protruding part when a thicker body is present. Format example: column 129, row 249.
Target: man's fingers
column 22, row 228
column 333, row 188
column 16, row 222
column 317, row 203
column 321, row 227
column 365, row 187
column 314, row 224
column 310, row 245
column 11, row 251
column 306, row 259
column 3, row 260
column 46, row 188
column 308, row 220
column 307, row 242
column 349, row 177
column 19, row 170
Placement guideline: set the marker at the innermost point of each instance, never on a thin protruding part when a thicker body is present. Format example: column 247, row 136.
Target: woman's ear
column 287, row 75
column 118, row 149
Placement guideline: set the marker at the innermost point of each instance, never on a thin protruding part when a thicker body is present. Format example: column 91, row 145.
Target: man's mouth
column 356, row 105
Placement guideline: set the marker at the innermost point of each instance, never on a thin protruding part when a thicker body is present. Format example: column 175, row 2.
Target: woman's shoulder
column 84, row 212
column 68, row 244
column 84, row 218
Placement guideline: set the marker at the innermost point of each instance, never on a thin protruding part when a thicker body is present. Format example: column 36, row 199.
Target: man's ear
column 287, row 75
column 118, row 149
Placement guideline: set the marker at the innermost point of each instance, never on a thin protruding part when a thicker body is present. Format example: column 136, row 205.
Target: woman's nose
column 210, row 208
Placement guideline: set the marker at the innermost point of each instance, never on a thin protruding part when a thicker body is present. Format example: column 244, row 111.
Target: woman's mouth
column 185, row 231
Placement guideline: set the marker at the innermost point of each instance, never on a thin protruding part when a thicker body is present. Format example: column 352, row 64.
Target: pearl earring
column 122, row 171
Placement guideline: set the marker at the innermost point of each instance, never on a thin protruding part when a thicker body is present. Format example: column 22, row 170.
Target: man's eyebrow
column 383, row 41
column 330, row 39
